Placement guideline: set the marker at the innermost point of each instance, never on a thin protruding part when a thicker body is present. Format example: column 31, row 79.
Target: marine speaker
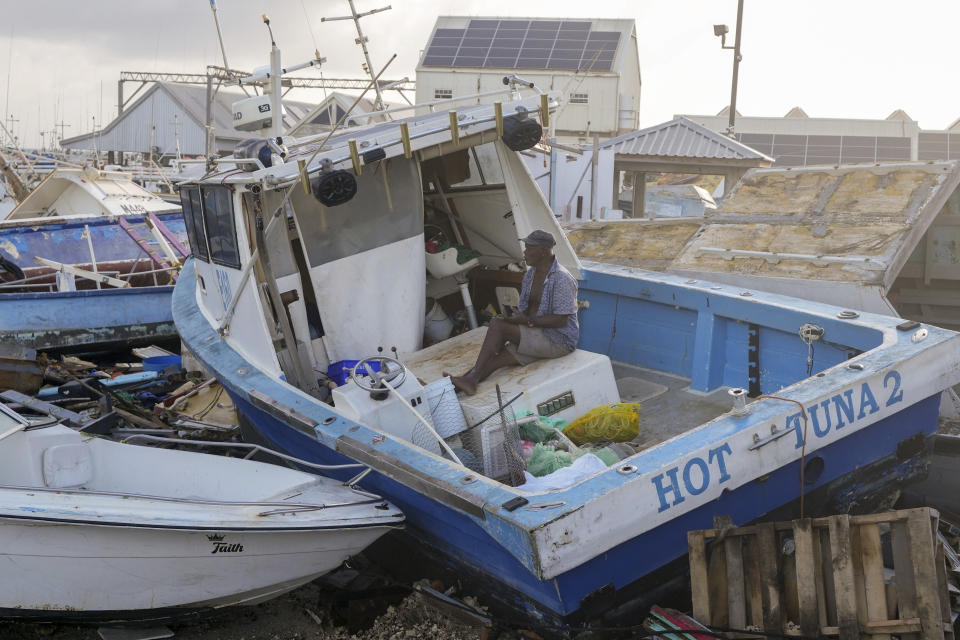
column 519, row 134
column 333, row 188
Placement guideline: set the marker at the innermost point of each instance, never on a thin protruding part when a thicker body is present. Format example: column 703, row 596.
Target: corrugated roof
column 193, row 99
column 315, row 121
column 682, row 138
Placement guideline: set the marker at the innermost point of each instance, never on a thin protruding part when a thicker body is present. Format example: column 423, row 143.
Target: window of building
column 219, row 225
column 579, row 98
column 193, row 221
column 442, row 94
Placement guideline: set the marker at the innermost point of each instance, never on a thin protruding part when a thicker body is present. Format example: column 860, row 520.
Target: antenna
column 176, row 136
column 6, row 108
column 223, row 51
column 60, row 126
column 362, row 41
column 273, row 74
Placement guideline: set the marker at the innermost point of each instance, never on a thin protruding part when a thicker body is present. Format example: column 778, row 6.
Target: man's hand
column 518, row 317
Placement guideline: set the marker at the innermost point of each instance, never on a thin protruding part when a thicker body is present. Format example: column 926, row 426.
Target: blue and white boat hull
column 38, row 316
column 570, row 546
column 92, row 319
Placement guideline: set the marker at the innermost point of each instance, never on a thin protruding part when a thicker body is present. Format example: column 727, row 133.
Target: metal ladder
column 161, row 245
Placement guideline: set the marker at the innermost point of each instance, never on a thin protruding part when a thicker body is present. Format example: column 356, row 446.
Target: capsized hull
column 94, row 319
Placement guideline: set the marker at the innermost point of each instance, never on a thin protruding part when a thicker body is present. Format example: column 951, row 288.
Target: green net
column 545, row 460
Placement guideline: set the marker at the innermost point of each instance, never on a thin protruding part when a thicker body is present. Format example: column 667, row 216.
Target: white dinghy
column 102, row 531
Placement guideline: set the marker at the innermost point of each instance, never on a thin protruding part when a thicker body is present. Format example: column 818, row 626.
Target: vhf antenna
column 362, row 41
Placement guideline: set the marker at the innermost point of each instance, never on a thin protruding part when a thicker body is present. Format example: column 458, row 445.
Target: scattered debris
column 118, row 399
column 19, row 369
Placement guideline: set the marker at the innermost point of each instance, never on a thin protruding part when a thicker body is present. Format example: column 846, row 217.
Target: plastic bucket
column 161, row 363
column 339, row 372
column 445, row 408
column 437, row 325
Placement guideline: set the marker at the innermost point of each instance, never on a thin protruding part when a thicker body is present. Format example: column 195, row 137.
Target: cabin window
column 442, row 94
column 579, row 98
column 382, row 212
column 219, row 225
column 193, row 221
column 482, row 168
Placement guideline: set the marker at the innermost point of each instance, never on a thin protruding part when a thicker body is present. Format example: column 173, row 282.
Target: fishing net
column 495, row 443
column 421, row 436
column 617, row 422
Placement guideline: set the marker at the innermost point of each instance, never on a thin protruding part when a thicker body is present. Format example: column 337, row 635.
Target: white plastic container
column 437, row 325
column 441, row 398
column 444, row 263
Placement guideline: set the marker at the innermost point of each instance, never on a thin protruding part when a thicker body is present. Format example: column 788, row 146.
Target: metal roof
column 324, row 115
column 682, row 138
column 193, row 100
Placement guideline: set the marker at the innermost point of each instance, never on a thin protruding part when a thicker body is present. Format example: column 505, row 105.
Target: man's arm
column 549, row 321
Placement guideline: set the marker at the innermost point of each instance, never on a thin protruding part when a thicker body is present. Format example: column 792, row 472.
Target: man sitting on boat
column 550, row 330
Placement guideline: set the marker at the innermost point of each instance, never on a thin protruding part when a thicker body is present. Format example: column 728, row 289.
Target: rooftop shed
column 593, row 63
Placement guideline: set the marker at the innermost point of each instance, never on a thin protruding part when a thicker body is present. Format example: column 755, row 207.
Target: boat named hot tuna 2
column 309, row 253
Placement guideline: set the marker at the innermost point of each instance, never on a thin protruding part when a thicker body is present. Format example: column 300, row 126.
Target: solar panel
column 524, row 44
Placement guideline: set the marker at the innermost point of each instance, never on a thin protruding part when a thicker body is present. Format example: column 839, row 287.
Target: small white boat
column 102, row 531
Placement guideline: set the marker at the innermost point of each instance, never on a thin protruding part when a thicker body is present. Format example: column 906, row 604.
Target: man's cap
column 540, row 238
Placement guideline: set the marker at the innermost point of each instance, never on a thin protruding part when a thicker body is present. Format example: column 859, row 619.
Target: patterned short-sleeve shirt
column 559, row 298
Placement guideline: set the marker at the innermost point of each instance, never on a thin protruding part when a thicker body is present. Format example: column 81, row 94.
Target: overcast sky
column 835, row 58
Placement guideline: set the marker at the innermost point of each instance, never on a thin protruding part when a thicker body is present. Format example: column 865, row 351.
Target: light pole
column 721, row 30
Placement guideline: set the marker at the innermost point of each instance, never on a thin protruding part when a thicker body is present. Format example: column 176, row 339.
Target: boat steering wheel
column 378, row 377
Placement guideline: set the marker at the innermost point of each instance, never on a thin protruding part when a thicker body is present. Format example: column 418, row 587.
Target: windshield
column 7, row 421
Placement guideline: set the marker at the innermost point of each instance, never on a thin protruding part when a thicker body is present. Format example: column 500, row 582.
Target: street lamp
column 721, row 30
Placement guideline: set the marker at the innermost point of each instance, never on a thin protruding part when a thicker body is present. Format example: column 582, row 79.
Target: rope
column 803, row 449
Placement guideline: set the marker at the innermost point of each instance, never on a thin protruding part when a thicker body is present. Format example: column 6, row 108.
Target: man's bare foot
column 465, row 384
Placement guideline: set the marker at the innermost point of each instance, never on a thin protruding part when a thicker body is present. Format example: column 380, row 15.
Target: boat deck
column 668, row 408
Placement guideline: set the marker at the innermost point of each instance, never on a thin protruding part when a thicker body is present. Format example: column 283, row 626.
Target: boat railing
column 280, row 506
column 454, row 124
column 256, row 448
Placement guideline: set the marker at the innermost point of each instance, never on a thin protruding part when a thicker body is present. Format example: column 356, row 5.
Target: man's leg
column 492, row 355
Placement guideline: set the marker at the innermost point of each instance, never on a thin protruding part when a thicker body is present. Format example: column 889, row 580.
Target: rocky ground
column 304, row 614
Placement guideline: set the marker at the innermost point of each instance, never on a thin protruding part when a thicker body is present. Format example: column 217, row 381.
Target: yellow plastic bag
column 618, row 422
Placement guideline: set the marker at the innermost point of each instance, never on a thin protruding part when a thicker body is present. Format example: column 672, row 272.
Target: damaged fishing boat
column 320, row 252
column 87, row 262
column 88, row 535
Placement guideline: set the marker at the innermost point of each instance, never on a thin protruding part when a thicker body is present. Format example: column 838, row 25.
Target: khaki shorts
column 535, row 345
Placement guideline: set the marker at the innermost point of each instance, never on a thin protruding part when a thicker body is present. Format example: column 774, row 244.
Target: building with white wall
column 593, row 64
column 799, row 140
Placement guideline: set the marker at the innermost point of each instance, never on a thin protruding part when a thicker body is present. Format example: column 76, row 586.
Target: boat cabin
column 422, row 239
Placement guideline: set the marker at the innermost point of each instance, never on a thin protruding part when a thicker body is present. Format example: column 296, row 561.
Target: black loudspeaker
column 333, row 188
column 519, row 134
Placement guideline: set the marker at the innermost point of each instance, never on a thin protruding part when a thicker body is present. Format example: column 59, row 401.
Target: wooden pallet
column 825, row 576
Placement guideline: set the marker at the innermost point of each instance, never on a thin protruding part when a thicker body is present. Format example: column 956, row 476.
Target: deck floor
column 667, row 406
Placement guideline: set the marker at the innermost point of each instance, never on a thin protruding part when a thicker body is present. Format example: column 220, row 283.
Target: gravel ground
column 304, row 614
